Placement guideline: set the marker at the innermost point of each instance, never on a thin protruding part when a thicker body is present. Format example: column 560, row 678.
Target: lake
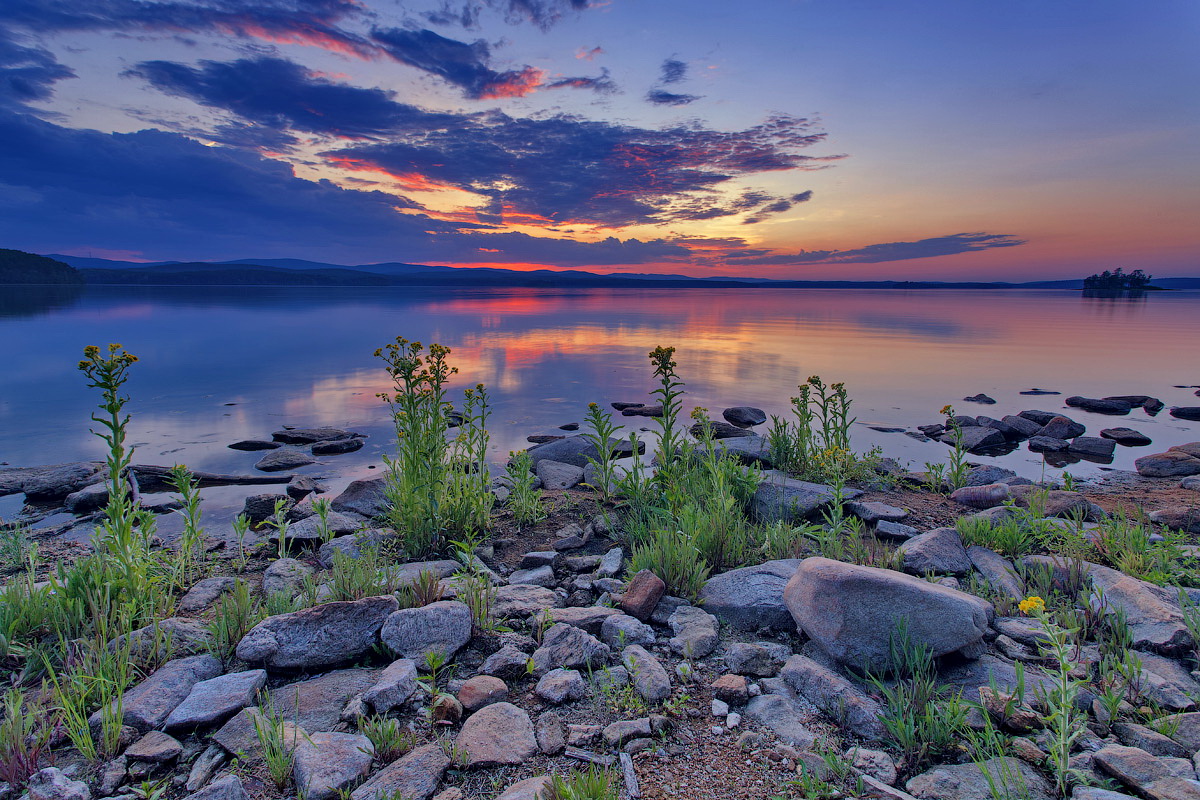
column 223, row 364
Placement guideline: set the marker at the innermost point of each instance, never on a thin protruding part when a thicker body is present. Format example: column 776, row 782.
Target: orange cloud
column 513, row 84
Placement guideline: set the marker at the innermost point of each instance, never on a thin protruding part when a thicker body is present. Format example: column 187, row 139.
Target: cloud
column 601, row 84
column 777, row 207
column 660, row 97
column 584, row 54
column 542, row 13
column 673, row 71
column 27, row 74
column 954, row 244
column 283, row 96
column 307, row 22
column 459, row 63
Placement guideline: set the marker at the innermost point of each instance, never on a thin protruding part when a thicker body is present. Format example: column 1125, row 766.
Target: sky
column 809, row 139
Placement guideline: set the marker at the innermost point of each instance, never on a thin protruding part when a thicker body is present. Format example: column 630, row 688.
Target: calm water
column 220, row 365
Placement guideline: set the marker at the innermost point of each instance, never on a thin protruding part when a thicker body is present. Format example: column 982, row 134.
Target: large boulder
column 364, row 497
column 749, row 598
column 322, row 636
column 854, row 612
column 744, row 416
column 779, row 498
column 443, row 627
column 1171, row 464
column 576, row 450
column 938, row 551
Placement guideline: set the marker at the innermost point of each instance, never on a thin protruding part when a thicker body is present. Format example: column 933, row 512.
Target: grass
column 602, row 435
column 593, row 783
column 235, row 614
column 24, row 736
column 388, row 737
column 524, row 501
column 278, row 753
column 367, row 575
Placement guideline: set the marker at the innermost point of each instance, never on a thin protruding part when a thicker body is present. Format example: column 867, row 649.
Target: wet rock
column 753, row 450
column 326, row 763
column 696, row 632
column 1099, row 406
column 744, row 416
column 642, row 594
column 567, row 646
column 88, row 499
column 147, row 705
column 496, row 735
column 337, row 447
column 55, row 483
column 1048, row 444
column 155, row 747
column 1126, row 436
column 285, row 575
column 283, row 459
column 205, row 592
column 310, row 435
column 414, row 777
column 642, row 411
column 259, row 507
column 1191, row 413
column 761, row 659
column 1024, row 426
column 968, row 781
column 560, row 686
column 1181, row 518
column 834, row 695
column 851, row 611
column 1009, row 433
column 939, row 551
column 980, row 398
column 394, row 686
column 1060, row 427
column 217, row 699
column 301, row 486
column 252, row 445
column 322, row 636
column 557, row 476
column 576, row 450
column 718, row 430
column 647, row 674
column 1092, row 447
column 444, row 627
column 783, row 717
column 363, row 497
column 1151, row 405
column 749, row 598
column 975, row 438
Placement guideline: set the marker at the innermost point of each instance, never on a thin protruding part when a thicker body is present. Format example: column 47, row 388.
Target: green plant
column 475, row 589
column 1011, row 535
column 233, row 617
column 278, row 602
column 24, row 734
column 14, row 546
column 672, row 556
column 602, row 436
column 669, row 394
column 1127, row 545
column 593, row 783
column 278, row 522
column 1057, row 696
column 367, row 575
column 957, row 466
column 241, row 526
column 388, row 737
column 427, row 588
column 524, row 501
column 817, row 442
column 276, row 740
column 988, row 749
column 191, row 561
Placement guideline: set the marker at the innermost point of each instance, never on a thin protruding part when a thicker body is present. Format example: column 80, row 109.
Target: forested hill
column 17, row 266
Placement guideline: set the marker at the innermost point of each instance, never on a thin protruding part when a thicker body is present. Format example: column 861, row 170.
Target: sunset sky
column 942, row 139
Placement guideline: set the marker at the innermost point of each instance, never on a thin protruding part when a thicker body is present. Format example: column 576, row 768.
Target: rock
column 313, row 705
column 538, row 576
column 259, row 507
column 540, row 558
column 444, row 627
column 567, row 646
column 665, row 608
column 1180, row 518
column 394, row 686
column 551, row 735
column 1092, row 447
column 355, row 546
column 852, row 612
column 1009, row 433
column 481, row 690
column 309, row 528
column 744, row 416
column 894, row 531
column 975, row 438
column 52, row 784
column 1024, row 426
column 968, row 781
column 642, row 411
column 556, row 475
column 980, row 398
column 718, row 430
column 147, row 705
column 205, row 592
column 55, row 483
column 837, row 697
column 283, row 459
column 522, row 600
column 1191, row 413
column 696, row 632
column 217, row 699
column 1090, row 793
column 537, row 788
column 1126, row 436
column 621, row 629
column 1099, row 406
column 939, row 551
column 1143, row 773
column 1139, row 736
column 571, row 537
column 414, row 777
column 875, row 763
column 88, row 499
column 1048, row 444
column 780, row 498
column 1060, row 427
column 1192, row 483
column 873, row 512
column 338, row 447
column 1167, row 683
column 998, row 571
column 985, row 496
column 576, row 450
column 733, row 689
column 1057, row 503
column 750, row 450
column 749, row 598
column 155, row 747
column 560, row 686
column 622, row 731
column 642, row 594
column 111, row 776
column 166, row 638
column 285, row 575
column 310, row 435
column 326, row 763
column 227, row 787
column 780, row 715
column 1173, row 463
column 301, row 486
column 610, row 563
column 761, row 660
column 647, row 674
column 363, row 497
column 252, row 445
column 496, row 735
column 322, row 636
column 587, row 618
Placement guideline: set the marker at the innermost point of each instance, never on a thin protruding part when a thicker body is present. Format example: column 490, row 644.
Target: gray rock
column 587, row 618
column 540, row 558
column 986, row 495
column 621, row 630
column 837, row 697
column 55, row 483
column 1092, row 447
column 1091, row 793
column 205, row 766
column 1126, row 436
column 496, row 735
column 1133, row 735
column 1048, row 444
column 52, row 784
column 894, row 531
column 155, row 747
column 537, row 576
column 610, row 563
column 649, row 678
column 939, row 551
column 975, row 438
column 310, row 435
column 760, row 660
column 309, row 529
column 444, row 626
column 551, row 735
column 536, row 788
column 259, row 507
column 576, row 450
column 557, row 476
column 522, row 600
column 998, row 571
column 752, row 450
column 1171, row 464
column 622, row 731
column 1192, row 482
column 173, row 637
column 560, row 686
column 364, row 497
column 1022, row 425
column 206, row 592
column 696, row 632
column 227, row 787
column 88, row 499
column 285, row 575
column 1144, row 774
column 216, row 699
column 283, row 459
column 744, row 416
column 1108, row 405
column 394, row 686
column 567, row 646
column 416, row 776
column 968, row 781
column 782, row 716
column 1061, row 427
column 354, row 545
column 322, row 636
column 780, row 498
column 749, row 598
column 507, row 663
column 1182, row 518
column 147, row 705
column 326, row 763
column 872, row 512
column 338, row 447
column 852, row 612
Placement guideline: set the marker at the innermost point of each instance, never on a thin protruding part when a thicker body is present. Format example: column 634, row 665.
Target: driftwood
column 153, row 478
column 631, row 783
column 579, row 754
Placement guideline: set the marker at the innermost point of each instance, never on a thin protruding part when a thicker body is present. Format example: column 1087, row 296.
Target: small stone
column 621, row 629
column 617, row 733
column 481, row 690
column 732, row 689
column 52, row 784
column 551, row 735
column 496, row 735
column 560, row 686
column 155, row 747
column 394, row 686
column 642, row 594
column 647, row 674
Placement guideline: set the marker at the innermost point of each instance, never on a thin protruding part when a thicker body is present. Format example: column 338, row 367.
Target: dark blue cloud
column 660, row 97
column 282, row 95
column 542, row 13
column 27, row 74
column 777, row 206
column 459, row 63
column 954, row 244
column 673, row 71
column 601, row 84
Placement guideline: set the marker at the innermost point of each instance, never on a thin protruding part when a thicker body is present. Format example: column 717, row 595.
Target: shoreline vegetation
column 706, row 612
column 19, row 268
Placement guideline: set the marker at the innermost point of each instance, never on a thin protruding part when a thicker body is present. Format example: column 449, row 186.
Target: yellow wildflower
column 1032, row 605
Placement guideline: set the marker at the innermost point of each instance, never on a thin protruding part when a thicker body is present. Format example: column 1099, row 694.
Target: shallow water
column 222, row 364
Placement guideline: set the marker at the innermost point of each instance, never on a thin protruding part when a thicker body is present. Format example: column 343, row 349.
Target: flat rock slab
column 749, row 598
column 310, row 435
column 968, row 781
column 499, row 734
column 147, row 705
column 443, row 627
column 321, row 636
column 783, row 717
column 284, row 459
column 217, row 699
column 416, row 776
column 363, row 497
column 836, row 696
column 326, row 763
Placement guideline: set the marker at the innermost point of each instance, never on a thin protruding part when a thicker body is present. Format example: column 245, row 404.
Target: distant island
column 55, row 268
column 1118, row 282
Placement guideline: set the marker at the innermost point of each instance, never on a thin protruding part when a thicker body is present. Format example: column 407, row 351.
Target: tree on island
column 1116, row 281
column 17, row 266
